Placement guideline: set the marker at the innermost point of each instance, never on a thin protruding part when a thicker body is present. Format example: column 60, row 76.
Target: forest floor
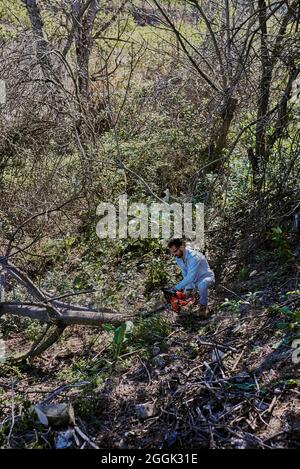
column 177, row 381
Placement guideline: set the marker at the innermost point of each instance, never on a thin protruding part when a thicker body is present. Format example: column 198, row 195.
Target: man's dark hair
column 177, row 242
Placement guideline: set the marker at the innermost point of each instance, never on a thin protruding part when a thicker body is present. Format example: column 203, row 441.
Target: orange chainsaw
column 177, row 299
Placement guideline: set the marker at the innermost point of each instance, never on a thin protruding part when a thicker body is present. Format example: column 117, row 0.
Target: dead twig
column 61, row 389
column 12, row 413
column 239, row 359
column 85, row 437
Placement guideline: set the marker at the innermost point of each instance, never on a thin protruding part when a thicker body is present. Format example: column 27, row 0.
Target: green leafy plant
column 151, row 330
column 295, row 292
column 292, row 382
column 292, row 321
column 34, row 330
column 157, row 275
column 244, row 273
column 279, row 243
column 231, row 305
column 121, row 335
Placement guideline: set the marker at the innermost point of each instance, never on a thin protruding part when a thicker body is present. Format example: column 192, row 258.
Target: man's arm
column 182, row 267
column 191, row 275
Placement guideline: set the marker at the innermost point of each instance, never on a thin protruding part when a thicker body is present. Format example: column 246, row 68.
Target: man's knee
column 206, row 283
column 203, row 288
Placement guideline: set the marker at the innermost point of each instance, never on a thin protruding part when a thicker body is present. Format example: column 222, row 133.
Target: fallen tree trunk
column 49, row 310
column 68, row 317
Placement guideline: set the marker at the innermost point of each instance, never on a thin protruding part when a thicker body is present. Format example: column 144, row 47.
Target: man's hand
column 169, row 291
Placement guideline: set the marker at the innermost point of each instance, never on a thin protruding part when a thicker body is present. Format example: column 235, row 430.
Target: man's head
column 176, row 247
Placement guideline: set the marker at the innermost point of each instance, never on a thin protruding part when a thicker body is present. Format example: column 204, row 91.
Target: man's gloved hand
column 169, row 291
